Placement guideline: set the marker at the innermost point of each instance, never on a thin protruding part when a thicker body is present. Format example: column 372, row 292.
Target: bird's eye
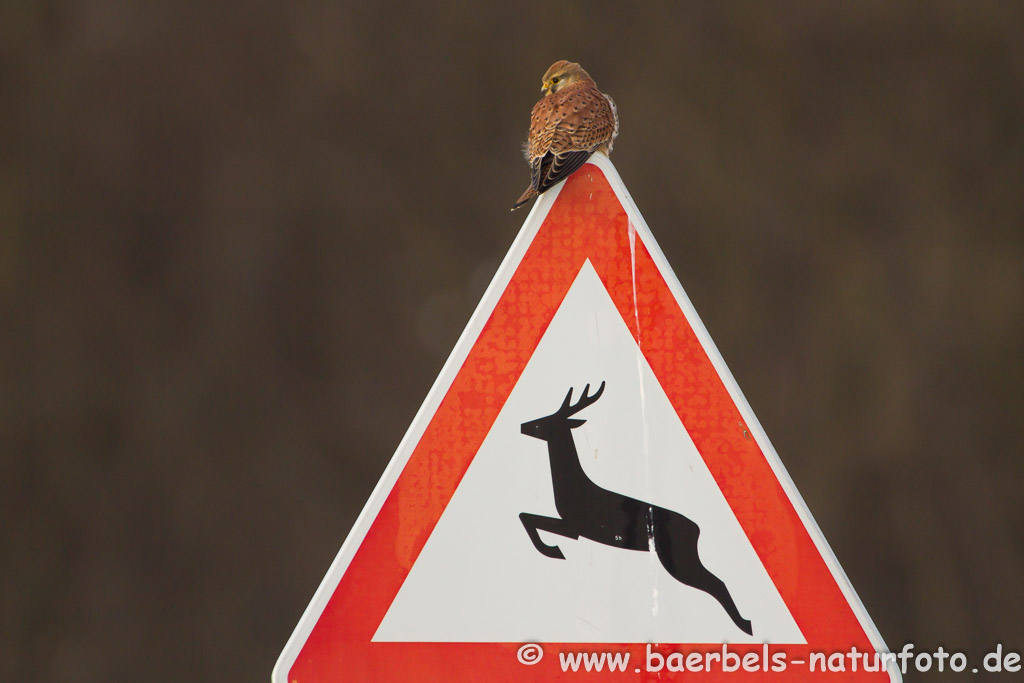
column 555, row 79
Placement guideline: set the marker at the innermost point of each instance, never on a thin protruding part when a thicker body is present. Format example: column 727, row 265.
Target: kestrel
column 569, row 123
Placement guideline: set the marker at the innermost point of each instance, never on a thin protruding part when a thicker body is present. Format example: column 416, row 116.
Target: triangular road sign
column 585, row 489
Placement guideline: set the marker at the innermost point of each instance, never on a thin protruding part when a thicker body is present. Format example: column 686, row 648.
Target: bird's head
column 561, row 74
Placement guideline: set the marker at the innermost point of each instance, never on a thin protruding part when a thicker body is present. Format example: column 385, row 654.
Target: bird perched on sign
column 570, row 122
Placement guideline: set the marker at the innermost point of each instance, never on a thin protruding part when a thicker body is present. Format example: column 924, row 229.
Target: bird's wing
column 552, row 168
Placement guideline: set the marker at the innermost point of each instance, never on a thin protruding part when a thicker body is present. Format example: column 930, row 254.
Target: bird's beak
column 544, row 88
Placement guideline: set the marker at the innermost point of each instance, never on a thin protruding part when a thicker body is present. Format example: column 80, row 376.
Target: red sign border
column 585, row 220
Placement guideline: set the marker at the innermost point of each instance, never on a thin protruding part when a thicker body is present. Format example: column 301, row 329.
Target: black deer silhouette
column 611, row 518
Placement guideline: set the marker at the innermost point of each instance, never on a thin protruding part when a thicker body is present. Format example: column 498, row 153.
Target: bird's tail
column 529, row 194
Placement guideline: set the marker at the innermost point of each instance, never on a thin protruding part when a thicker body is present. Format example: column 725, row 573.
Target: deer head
column 544, row 427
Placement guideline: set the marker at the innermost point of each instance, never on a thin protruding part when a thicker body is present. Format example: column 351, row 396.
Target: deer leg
column 554, row 525
column 675, row 541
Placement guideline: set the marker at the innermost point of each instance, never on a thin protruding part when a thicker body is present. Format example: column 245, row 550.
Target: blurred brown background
column 237, row 242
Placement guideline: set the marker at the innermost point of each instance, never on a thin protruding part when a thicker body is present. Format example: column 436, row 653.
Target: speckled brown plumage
column 570, row 122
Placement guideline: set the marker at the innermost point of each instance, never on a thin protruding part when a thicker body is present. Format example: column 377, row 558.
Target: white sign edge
column 454, row 363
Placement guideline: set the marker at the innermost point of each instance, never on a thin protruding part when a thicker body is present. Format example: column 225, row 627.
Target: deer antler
column 585, row 400
column 565, row 402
